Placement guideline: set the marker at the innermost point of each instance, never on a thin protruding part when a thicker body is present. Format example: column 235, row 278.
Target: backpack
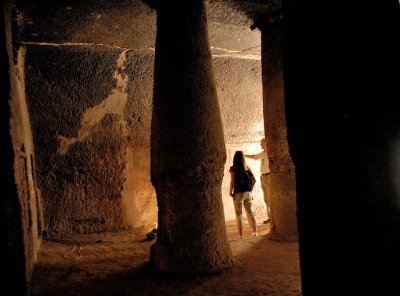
column 245, row 181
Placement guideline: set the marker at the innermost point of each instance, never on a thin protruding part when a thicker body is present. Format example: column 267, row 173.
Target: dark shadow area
column 11, row 245
column 342, row 91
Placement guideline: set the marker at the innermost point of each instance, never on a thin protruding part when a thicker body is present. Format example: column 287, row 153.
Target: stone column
column 187, row 145
column 17, row 262
column 283, row 179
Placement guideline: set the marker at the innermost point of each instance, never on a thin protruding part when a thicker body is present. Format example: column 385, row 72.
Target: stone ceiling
column 131, row 24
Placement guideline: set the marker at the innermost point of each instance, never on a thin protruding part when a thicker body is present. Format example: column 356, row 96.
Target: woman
column 241, row 197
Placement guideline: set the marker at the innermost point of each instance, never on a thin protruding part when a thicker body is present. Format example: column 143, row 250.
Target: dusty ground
column 117, row 264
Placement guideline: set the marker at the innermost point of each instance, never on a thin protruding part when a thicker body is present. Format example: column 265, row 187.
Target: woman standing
column 241, row 196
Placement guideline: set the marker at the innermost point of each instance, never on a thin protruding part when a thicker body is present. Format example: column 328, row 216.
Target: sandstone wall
column 90, row 108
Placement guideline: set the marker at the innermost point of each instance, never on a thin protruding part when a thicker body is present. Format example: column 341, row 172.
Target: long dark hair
column 239, row 161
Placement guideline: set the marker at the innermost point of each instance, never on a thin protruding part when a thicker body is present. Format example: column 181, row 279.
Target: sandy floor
column 116, row 264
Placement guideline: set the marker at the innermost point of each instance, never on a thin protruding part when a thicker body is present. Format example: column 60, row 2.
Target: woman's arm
column 231, row 185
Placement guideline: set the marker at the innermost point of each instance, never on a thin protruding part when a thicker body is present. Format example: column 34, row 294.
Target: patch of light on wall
column 258, row 127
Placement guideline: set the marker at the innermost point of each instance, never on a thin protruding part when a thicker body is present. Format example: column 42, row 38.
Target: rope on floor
column 79, row 252
column 78, row 244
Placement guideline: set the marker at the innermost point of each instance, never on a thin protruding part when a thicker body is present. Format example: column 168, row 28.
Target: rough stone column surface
column 187, row 146
column 283, row 179
column 15, row 245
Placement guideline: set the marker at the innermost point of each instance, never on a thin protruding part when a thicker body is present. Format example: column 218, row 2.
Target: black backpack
column 245, row 181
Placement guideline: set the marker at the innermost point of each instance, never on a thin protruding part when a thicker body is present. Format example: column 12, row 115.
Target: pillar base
column 164, row 259
column 286, row 238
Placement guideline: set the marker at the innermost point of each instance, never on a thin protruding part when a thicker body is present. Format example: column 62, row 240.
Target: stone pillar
column 187, row 145
column 17, row 262
column 283, row 179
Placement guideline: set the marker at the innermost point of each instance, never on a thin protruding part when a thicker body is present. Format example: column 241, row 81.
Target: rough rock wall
column 13, row 267
column 123, row 23
column 78, row 99
column 139, row 203
column 29, row 195
column 91, row 114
